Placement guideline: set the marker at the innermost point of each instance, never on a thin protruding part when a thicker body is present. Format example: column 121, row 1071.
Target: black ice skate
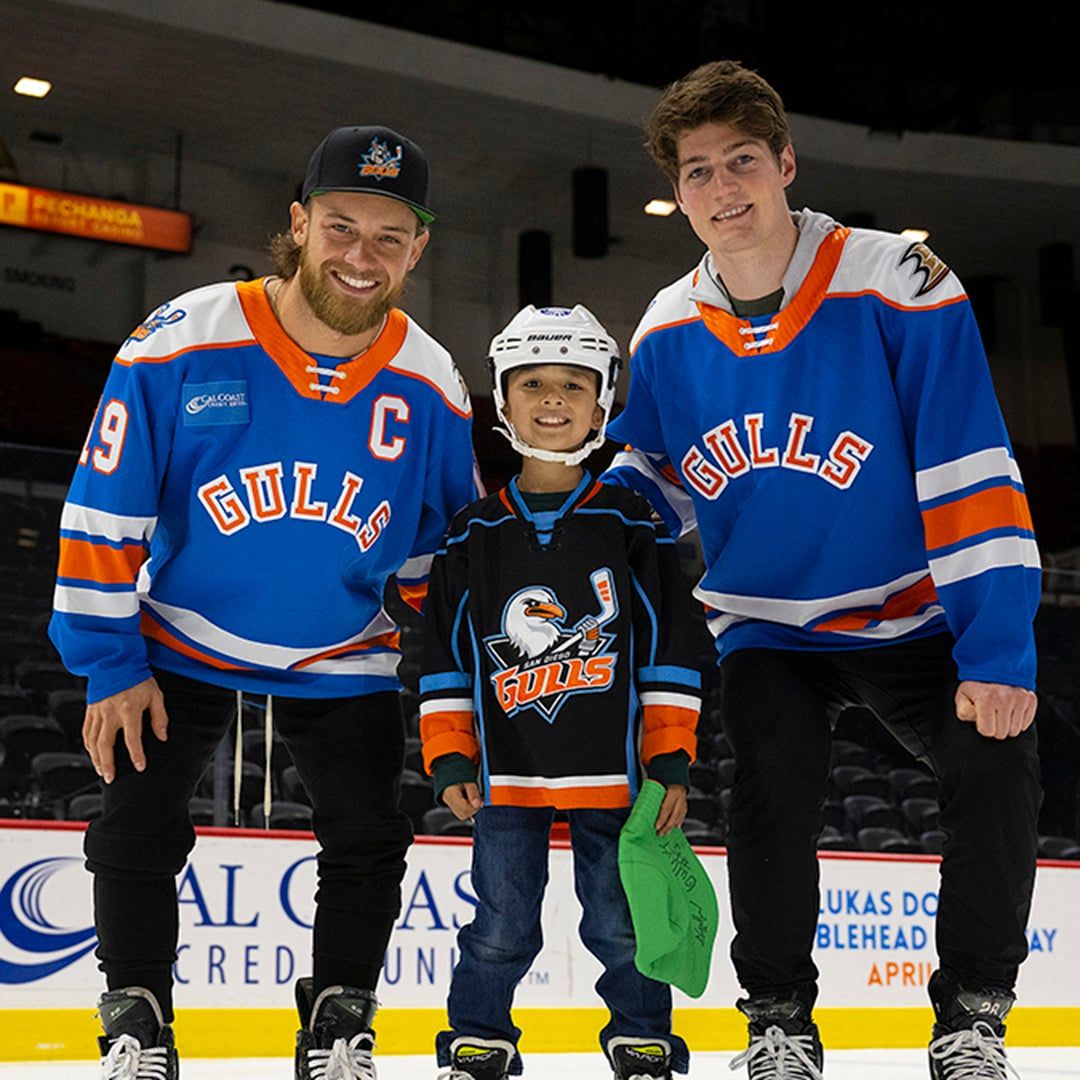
column 137, row 1044
column 968, row 1039
column 335, row 1041
column 639, row 1059
column 479, row 1059
column 784, row 1041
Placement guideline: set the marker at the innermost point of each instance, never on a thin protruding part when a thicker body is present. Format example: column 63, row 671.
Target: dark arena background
column 531, row 119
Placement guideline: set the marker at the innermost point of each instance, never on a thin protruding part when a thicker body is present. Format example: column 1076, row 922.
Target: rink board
column 246, row 908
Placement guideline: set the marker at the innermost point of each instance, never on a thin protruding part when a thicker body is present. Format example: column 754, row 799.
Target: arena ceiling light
column 660, row 207
column 918, row 236
column 28, row 86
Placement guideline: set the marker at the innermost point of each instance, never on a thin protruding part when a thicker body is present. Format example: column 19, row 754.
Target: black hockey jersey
column 556, row 651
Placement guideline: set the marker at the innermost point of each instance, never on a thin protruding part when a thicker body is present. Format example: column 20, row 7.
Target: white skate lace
column 776, row 1055
column 974, row 1053
column 350, row 1060
column 128, row 1060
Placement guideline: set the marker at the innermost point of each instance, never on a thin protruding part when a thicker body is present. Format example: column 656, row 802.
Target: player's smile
column 731, row 188
column 357, row 250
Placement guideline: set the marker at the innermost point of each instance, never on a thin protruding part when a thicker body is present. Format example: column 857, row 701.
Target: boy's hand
column 464, row 800
column 672, row 810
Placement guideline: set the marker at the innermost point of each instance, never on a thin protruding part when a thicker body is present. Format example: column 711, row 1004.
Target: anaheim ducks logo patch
column 543, row 660
column 932, row 269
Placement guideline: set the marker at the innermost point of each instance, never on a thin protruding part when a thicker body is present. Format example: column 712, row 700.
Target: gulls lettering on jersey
column 265, row 499
column 541, row 660
column 155, row 322
column 379, row 162
column 933, row 269
column 731, row 450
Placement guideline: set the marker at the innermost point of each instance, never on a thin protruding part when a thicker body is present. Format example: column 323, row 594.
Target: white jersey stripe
column 801, row 612
column 678, row 701
column 203, row 632
column 379, row 663
column 113, row 527
column 557, row 782
column 461, row 704
column 678, row 498
column 419, row 566
column 963, row 472
column 989, row 555
column 108, row 605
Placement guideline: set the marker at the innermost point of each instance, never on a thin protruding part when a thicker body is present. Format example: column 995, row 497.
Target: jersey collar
column 515, row 502
column 294, row 361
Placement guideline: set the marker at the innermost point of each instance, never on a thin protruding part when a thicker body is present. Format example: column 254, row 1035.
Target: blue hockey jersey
column 845, row 458
column 240, row 504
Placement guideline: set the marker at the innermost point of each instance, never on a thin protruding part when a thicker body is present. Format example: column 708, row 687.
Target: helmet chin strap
column 561, row 457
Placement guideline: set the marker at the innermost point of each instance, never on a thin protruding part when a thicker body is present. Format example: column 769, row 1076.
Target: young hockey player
column 555, row 670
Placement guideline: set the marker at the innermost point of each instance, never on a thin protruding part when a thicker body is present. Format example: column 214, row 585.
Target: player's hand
column 998, row 712
column 463, row 799
column 672, row 810
column 105, row 719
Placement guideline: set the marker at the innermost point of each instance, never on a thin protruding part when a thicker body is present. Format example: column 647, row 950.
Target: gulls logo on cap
column 379, row 162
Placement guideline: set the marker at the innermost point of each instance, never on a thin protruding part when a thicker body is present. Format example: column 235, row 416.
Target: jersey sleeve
column 667, row 680
column 452, row 480
column 446, row 676
column 980, row 542
column 643, row 465
column 106, row 527
column 654, row 478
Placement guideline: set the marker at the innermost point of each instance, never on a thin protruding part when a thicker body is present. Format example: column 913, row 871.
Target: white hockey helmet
column 554, row 335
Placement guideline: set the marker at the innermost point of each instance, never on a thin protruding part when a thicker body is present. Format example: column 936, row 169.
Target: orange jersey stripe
column 664, row 326
column 995, row 508
column 447, row 733
column 607, row 797
column 895, row 303
column 154, row 630
column 900, row 605
column 413, row 595
column 391, row 640
column 98, row 562
column 182, row 352
column 666, row 740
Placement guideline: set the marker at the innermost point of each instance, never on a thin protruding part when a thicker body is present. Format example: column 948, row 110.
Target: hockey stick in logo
column 604, row 590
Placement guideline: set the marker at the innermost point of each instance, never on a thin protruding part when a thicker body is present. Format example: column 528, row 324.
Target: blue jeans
column 509, row 875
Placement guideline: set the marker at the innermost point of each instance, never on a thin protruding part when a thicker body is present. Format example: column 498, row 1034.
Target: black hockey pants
column 778, row 707
column 349, row 753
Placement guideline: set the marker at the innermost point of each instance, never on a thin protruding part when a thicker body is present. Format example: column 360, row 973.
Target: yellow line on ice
column 59, row 1034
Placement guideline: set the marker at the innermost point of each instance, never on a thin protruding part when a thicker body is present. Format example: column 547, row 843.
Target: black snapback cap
column 373, row 161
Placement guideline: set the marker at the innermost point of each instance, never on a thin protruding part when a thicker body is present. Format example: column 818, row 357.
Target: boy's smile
column 553, row 406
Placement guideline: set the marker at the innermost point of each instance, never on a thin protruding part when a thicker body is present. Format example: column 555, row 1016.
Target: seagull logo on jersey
column 542, row 660
column 379, row 162
column 155, row 322
column 932, row 268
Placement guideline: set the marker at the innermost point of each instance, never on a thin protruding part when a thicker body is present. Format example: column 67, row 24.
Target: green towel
column 672, row 901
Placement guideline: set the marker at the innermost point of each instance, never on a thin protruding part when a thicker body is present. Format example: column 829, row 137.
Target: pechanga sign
column 115, row 222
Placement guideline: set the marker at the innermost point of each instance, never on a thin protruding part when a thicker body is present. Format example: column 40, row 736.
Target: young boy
column 554, row 667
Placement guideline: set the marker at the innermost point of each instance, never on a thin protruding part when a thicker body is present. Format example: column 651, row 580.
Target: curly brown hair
column 722, row 92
